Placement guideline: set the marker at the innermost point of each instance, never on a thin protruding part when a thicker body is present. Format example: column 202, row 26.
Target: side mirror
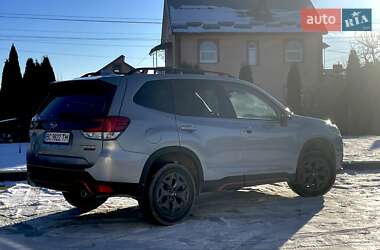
column 284, row 118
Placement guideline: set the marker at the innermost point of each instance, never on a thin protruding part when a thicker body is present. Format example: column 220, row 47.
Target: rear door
column 204, row 127
column 56, row 134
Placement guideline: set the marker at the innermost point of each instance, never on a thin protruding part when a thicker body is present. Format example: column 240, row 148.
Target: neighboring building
column 116, row 66
column 223, row 35
column 337, row 69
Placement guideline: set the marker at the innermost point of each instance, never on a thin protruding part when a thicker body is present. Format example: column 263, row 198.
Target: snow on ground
column 262, row 217
column 12, row 156
column 362, row 149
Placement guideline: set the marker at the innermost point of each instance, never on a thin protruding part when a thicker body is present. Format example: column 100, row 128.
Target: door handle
column 188, row 128
column 248, row 131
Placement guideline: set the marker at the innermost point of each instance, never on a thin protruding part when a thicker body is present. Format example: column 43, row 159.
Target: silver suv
column 165, row 137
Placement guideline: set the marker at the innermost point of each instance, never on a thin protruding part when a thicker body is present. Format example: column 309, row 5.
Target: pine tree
column 38, row 86
column 30, row 70
column 38, row 70
column 45, row 76
column 294, row 88
column 14, row 64
column 5, row 77
column 246, row 73
column 3, row 90
column 29, row 80
column 47, row 70
column 11, row 86
column 14, row 102
column 353, row 96
column 353, row 64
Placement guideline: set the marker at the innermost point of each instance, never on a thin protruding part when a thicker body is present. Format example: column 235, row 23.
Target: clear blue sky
column 73, row 58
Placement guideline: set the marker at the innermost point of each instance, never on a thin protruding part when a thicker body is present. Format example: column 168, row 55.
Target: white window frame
column 213, row 52
column 253, row 46
column 294, row 47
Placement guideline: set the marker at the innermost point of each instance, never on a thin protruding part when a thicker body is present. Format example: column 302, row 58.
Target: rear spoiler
column 8, row 120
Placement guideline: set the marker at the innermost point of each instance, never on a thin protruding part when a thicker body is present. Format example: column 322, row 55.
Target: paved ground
column 263, row 217
column 364, row 149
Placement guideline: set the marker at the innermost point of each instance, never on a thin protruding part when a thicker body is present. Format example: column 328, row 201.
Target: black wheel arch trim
column 170, row 150
column 317, row 140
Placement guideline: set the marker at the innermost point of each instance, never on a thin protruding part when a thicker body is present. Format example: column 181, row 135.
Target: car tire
column 315, row 175
column 84, row 204
column 170, row 195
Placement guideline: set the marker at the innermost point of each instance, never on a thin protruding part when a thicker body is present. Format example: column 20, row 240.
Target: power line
column 95, row 17
column 142, row 60
column 81, row 20
column 78, row 44
column 71, row 16
column 63, row 54
column 82, row 32
column 83, row 38
column 338, row 51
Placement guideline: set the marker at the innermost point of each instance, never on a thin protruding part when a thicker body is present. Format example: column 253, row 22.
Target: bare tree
column 368, row 46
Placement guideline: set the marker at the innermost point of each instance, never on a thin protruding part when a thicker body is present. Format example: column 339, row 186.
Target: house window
column 117, row 69
column 294, row 51
column 208, row 52
column 252, row 53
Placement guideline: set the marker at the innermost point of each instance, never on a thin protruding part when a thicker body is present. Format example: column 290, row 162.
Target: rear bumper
column 66, row 180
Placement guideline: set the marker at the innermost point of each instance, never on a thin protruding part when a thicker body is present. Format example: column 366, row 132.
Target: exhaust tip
column 84, row 194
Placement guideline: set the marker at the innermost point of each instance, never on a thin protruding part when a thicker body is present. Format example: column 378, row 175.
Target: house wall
column 272, row 70
column 167, row 37
column 117, row 65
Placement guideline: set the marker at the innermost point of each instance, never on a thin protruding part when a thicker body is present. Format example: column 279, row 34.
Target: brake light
column 108, row 128
column 104, row 189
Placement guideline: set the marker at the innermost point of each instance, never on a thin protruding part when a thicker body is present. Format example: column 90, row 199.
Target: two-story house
column 223, row 35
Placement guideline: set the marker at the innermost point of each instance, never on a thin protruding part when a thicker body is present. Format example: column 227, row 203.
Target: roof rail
column 100, row 74
column 169, row 70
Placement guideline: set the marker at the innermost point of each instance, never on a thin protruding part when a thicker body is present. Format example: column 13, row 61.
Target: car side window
column 156, row 95
column 197, row 98
column 247, row 104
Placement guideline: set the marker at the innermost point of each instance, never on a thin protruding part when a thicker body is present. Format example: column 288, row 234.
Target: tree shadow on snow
column 239, row 219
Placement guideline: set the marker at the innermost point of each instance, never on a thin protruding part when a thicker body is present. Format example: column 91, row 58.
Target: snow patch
column 261, row 217
column 199, row 18
column 13, row 157
column 362, row 149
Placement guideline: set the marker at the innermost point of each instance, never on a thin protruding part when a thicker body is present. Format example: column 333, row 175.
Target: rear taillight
column 108, row 128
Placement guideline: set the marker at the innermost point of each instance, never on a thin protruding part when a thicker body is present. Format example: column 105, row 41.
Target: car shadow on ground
column 375, row 145
column 237, row 219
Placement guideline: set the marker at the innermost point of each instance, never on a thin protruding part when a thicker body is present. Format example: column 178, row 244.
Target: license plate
column 55, row 137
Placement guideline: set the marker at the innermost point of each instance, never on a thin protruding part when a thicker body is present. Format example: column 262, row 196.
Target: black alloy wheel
column 315, row 175
column 171, row 195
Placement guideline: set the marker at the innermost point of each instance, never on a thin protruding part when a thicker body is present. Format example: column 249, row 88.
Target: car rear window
column 156, row 95
column 78, row 100
column 197, row 98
